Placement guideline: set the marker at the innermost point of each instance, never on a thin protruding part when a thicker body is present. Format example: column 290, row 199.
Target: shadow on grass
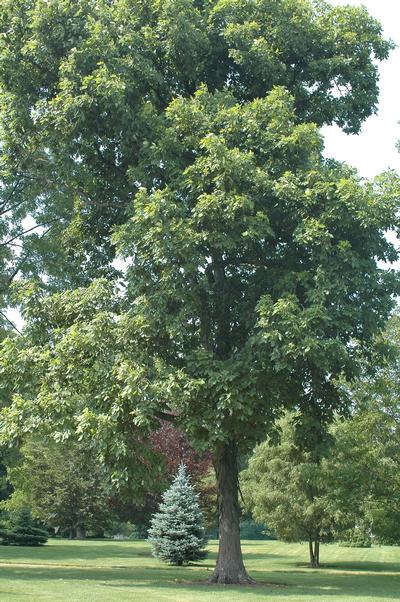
column 112, row 565
column 277, row 584
column 366, row 566
column 69, row 551
column 250, row 556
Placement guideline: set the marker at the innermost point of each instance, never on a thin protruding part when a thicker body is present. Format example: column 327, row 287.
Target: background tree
column 174, row 449
column 261, row 283
column 63, row 485
column 286, row 490
column 177, row 532
column 351, row 489
column 364, row 477
column 174, row 446
column 172, row 443
column 79, row 329
column 365, row 468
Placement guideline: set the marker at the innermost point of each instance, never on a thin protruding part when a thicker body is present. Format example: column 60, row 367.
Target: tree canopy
column 256, row 259
column 84, row 83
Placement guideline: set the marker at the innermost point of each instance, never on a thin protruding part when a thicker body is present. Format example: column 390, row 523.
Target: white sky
column 374, row 149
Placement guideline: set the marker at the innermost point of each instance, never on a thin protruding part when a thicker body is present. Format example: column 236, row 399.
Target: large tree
column 254, row 285
column 254, row 281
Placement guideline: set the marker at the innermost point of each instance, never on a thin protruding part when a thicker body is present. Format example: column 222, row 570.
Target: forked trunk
column 230, row 567
column 314, row 553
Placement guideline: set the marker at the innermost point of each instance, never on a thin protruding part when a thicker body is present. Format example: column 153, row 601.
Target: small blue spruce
column 177, row 532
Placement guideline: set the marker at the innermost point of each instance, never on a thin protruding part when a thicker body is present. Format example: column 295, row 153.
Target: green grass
column 117, row 571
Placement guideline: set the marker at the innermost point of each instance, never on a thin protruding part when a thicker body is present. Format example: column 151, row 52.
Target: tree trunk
column 72, row 533
column 80, row 532
column 314, row 553
column 230, row 567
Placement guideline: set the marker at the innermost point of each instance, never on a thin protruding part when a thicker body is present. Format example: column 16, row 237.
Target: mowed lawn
column 122, row 570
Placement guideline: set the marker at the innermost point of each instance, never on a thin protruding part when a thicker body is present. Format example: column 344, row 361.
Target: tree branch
column 10, row 322
column 24, row 258
column 7, row 242
column 167, row 417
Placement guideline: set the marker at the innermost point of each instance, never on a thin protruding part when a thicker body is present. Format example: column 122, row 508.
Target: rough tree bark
column 230, row 567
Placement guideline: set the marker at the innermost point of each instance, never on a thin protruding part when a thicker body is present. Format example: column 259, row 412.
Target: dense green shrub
column 21, row 531
column 356, row 538
column 23, row 536
column 249, row 529
column 139, row 531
